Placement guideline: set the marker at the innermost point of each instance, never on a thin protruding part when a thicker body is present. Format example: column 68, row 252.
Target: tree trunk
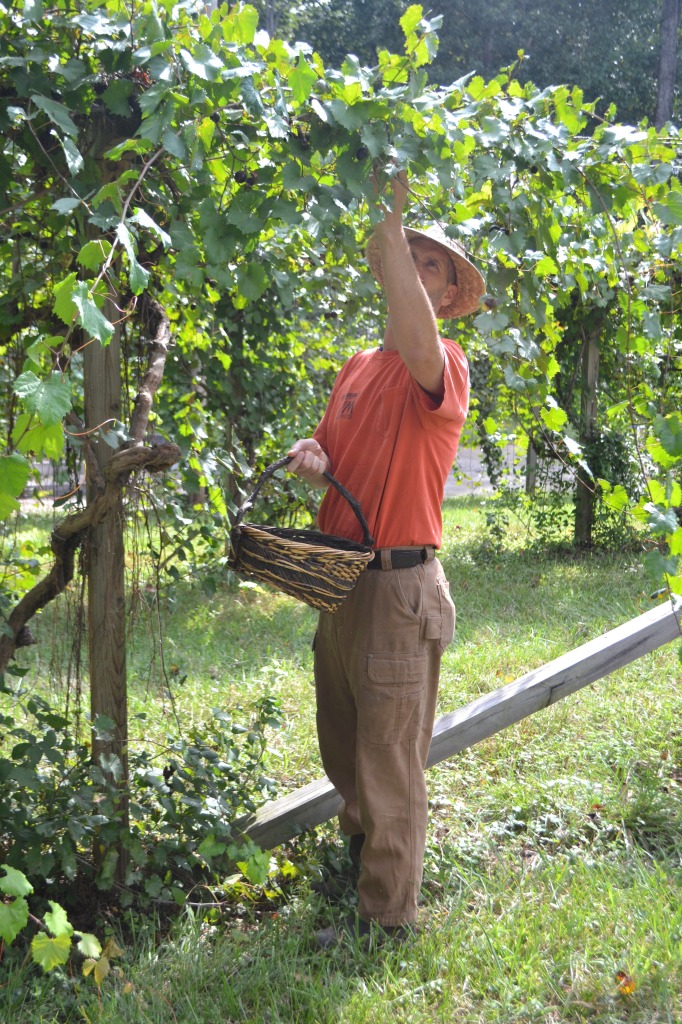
column 667, row 64
column 105, row 562
column 585, row 492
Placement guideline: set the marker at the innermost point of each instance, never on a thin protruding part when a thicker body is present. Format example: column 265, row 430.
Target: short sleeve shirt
column 392, row 445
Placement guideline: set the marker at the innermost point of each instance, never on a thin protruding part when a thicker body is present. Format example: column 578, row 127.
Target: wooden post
column 531, row 467
column 319, row 801
column 585, row 489
column 105, row 559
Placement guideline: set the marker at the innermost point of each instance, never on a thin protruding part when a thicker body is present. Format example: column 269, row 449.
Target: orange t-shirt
column 392, row 446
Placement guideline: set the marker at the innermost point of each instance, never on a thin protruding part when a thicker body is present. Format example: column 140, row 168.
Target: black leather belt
column 400, row 558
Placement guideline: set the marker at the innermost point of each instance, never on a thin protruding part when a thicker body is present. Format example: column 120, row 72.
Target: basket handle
column 367, row 538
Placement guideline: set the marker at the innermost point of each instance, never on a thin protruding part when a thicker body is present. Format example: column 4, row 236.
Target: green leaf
column 142, row 218
column 567, row 113
column 102, row 968
column 476, row 87
column 174, row 145
column 14, row 471
column 658, row 566
column 74, row 160
column 91, row 319
column 14, row 882
column 210, row 847
column 49, row 399
column 302, row 79
column 660, row 519
column 241, row 24
column 489, row 322
column 33, row 10
column 93, row 254
column 206, row 131
column 659, row 454
column 573, row 446
column 257, row 867
column 89, row 945
column 50, row 953
column 615, row 497
column 39, row 439
column 111, row 765
column 153, row 886
column 104, row 728
column 8, row 506
column 245, row 214
column 669, row 210
column 139, row 277
column 320, row 110
column 64, row 305
column 351, row 115
column 252, row 281
column 57, row 113
column 66, row 205
column 546, row 267
column 117, row 95
column 554, row 419
column 668, row 430
column 13, row 918
column 203, row 63
column 675, row 542
column 112, row 192
column 56, row 920
column 494, row 130
column 411, row 18
column 294, row 180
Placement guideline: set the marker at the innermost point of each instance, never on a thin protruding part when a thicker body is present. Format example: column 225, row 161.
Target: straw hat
column 470, row 284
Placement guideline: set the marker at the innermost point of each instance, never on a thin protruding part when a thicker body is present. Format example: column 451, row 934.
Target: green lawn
column 554, row 858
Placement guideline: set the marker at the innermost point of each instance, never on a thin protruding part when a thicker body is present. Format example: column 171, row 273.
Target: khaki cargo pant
column 377, row 662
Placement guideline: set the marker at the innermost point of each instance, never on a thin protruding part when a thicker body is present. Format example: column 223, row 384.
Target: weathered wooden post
column 585, row 486
column 105, row 556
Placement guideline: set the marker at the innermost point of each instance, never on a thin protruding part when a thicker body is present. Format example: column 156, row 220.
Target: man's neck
column 389, row 344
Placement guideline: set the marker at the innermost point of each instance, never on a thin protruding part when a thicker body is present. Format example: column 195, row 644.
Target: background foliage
column 609, row 49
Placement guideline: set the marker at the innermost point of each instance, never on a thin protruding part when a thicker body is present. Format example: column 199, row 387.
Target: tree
column 357, row 27
column 602, row 48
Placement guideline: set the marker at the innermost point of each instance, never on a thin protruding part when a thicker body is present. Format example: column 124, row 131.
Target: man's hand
column 309, row 461
column 393, row 207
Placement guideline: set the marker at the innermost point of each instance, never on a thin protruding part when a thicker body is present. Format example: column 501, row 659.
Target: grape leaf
column 50, row 953
column 13, row 917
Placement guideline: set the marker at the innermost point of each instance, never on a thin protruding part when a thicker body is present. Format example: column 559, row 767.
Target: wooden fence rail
column 317, row 802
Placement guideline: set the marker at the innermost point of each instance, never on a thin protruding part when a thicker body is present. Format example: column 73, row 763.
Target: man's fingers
column 307, row 460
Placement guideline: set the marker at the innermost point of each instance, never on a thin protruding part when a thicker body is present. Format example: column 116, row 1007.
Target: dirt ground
column 469, row 475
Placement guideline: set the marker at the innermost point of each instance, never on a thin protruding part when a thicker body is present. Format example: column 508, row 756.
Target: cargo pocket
column 448, row 613
column 390, row 706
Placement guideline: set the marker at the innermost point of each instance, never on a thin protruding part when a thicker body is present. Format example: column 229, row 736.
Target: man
column 390, row 435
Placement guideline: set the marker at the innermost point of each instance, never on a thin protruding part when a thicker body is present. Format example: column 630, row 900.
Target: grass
column 554, row 857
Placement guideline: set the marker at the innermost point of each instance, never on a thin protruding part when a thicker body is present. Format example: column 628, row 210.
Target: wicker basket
column 314, row 567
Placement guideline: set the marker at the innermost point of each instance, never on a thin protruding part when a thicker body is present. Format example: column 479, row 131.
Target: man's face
column 435, row 270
